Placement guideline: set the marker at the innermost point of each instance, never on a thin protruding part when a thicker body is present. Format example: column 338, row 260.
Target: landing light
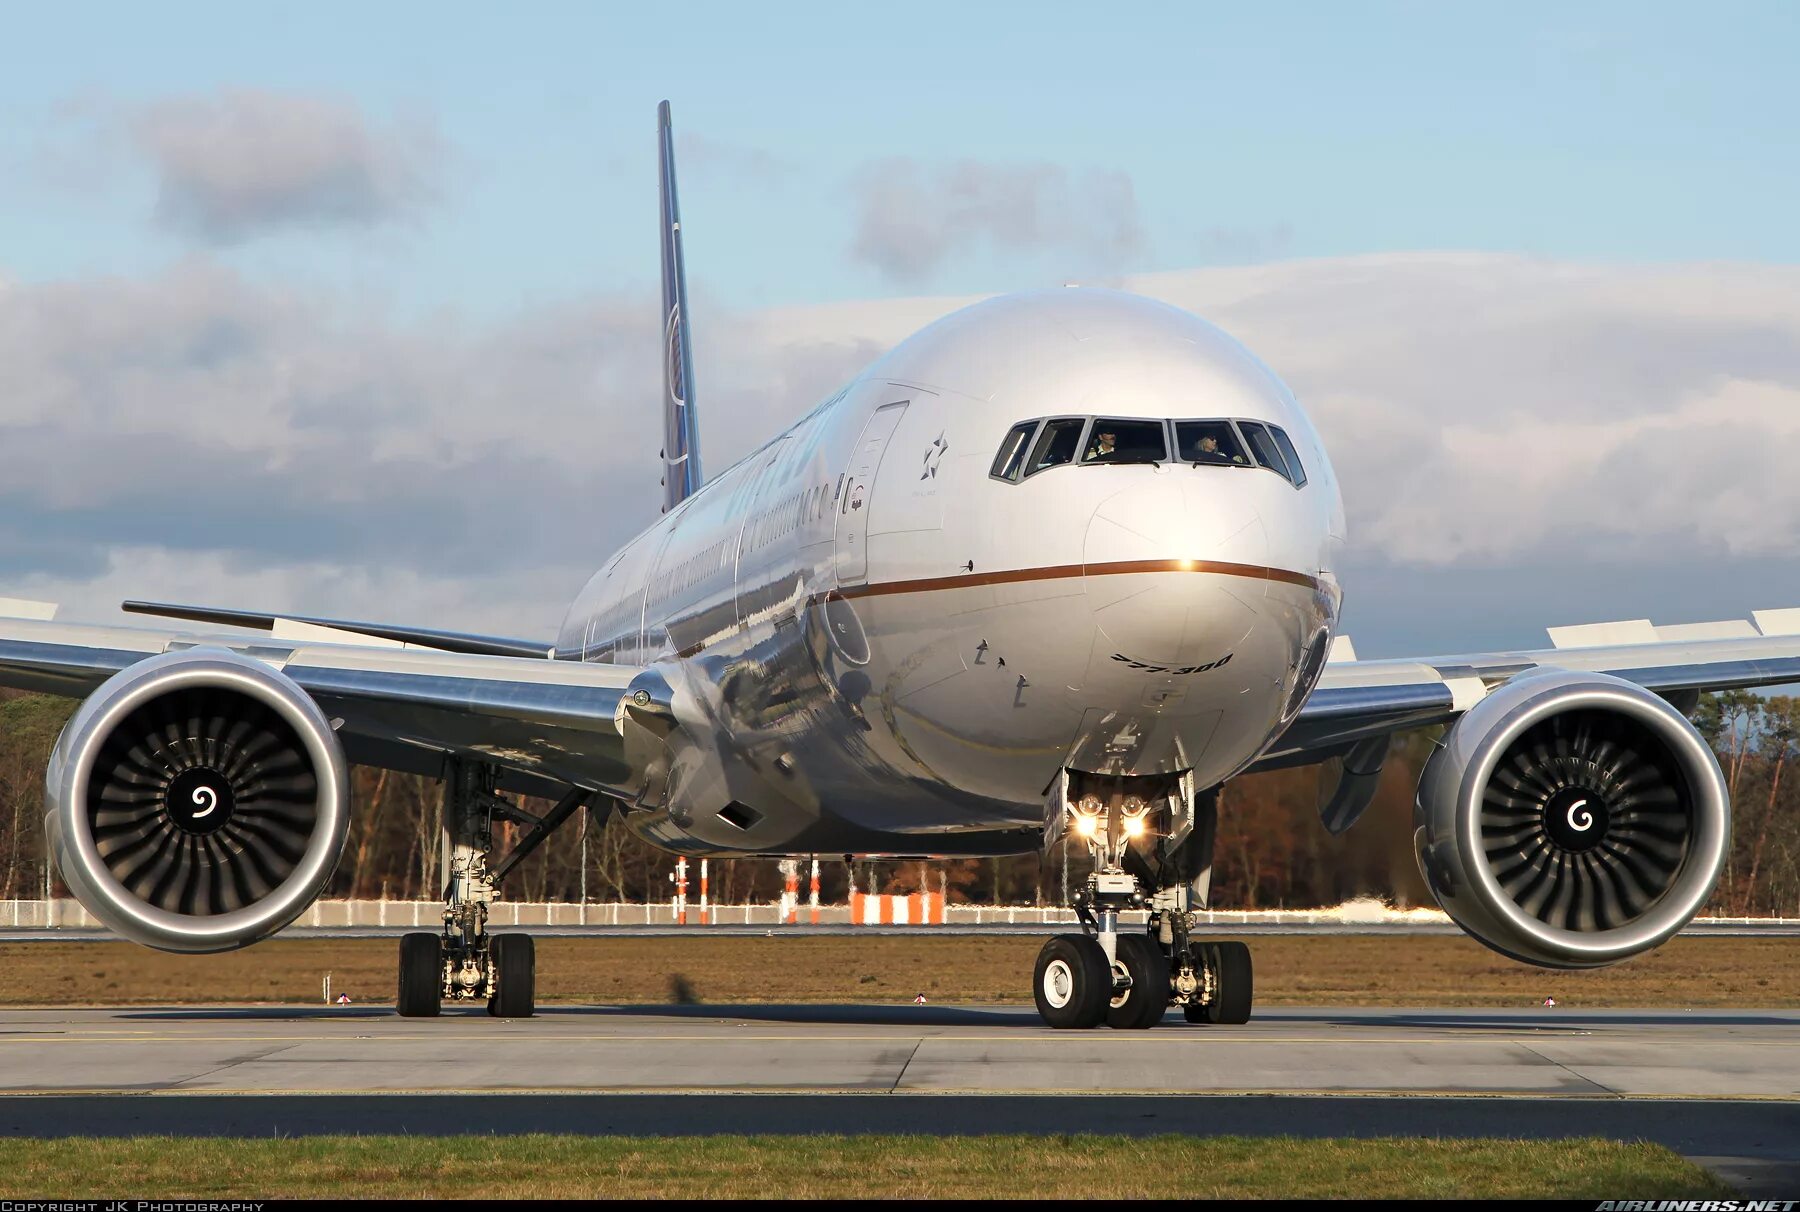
column 1087, row 826
column 1134, row 826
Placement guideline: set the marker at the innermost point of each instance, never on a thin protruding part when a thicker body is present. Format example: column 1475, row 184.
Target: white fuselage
column 884, row 648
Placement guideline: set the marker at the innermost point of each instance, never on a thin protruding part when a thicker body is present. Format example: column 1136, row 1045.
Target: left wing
column 548, row 724
column 1357, row 701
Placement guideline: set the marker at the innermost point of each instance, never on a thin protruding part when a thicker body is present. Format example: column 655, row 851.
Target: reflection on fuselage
column 880, row 645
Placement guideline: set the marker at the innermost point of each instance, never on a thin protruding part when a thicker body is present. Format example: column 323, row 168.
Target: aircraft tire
column 1237, row 983
column 515, row 970
column 1072, row 982
column 1143, row 1005
column 421, row 975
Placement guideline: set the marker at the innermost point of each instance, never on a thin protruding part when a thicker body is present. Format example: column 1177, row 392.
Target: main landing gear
column 464, row 962
column 1152, row 843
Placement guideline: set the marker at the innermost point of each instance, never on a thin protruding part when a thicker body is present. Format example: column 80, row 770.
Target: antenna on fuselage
column 681, row 432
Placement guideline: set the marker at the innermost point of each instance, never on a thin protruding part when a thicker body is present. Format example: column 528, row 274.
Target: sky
column 351, row 309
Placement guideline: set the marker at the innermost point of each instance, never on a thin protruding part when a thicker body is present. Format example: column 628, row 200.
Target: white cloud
column 912, row 218
column 245, row 162
column 199, row 436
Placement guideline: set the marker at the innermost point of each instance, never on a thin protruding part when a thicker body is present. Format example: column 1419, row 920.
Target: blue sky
column 1611, row 132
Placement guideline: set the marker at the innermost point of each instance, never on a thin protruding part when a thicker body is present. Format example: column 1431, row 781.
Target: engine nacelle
column 197, row 801
column 1572, row 820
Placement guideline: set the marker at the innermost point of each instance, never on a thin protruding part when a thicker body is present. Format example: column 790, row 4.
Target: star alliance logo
column 934, row 454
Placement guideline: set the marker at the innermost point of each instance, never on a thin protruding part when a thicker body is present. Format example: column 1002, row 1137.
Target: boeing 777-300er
column 1061, row 562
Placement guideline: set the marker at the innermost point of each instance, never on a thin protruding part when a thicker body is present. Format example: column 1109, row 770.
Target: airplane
column 1060, row 565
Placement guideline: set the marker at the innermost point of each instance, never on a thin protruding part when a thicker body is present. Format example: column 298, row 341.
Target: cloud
column 202, row 435
column 913, row 218
column 1520, row 442
column 701, row 156
column 244, row 163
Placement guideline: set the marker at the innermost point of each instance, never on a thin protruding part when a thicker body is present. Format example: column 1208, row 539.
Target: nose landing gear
column 1151, row 858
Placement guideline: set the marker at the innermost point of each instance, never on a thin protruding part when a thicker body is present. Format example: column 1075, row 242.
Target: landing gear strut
column 1152, row 842
column 464, row 962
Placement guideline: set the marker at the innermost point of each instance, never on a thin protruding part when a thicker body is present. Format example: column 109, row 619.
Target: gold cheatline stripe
column 1062, row 571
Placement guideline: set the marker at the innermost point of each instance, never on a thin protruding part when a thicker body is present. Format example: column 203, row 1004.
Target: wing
column 548, row 724
column 1358, row 700
column 298, row 626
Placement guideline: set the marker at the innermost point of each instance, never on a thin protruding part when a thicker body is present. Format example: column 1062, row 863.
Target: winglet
column 25, row 608
column 1778, row 622
column 681, row 436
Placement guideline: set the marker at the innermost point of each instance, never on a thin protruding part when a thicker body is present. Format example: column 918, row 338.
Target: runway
column 914, row 1049
column 1721, row 1087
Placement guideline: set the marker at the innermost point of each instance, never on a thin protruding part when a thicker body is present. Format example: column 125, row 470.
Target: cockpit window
column 1205, row 443
column 1113, row 441
column 1263, row 447
column 1013, row 450
column 1296, row 473
column 1033, row 446
column 1058, row 444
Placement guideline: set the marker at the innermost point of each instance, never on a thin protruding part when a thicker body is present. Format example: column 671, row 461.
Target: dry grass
column 835, row 1167
column 1290, row 970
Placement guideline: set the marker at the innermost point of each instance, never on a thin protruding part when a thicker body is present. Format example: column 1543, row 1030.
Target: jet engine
column 1572, row 820
column 197, row 801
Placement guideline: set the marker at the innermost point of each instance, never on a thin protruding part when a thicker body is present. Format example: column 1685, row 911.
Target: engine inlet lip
column 215, row 669
column 1553, row 692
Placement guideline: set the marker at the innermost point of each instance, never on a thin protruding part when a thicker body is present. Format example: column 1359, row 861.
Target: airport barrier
column 911, row 909
column 867, row 909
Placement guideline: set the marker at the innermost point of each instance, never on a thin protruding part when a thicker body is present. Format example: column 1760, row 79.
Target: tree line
column 1271, row 851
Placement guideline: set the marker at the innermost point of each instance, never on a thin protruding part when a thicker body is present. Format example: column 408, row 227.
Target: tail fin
column 681, row 432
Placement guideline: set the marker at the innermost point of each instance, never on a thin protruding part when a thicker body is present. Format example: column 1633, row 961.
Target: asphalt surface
column 1722, row 1087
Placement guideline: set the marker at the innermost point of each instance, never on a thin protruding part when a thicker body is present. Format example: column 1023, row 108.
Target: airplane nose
column 1171, row 565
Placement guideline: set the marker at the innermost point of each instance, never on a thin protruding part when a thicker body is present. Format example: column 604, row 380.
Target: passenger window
column 1296, row 473
column 1058, row 444
column 1113, row 441
column 1012, row 450
column 1263, row 447
column 1207, row 443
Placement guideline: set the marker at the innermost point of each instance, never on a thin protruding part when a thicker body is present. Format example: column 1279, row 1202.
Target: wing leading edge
column 548, row 724
column 1356, row 700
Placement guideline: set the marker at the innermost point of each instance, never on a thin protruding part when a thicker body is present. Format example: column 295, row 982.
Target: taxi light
column 1134, row 826
column 1087, row 826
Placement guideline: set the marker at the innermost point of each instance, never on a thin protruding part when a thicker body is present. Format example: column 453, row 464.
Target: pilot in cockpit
column 1206, row 450
column 1101, row 449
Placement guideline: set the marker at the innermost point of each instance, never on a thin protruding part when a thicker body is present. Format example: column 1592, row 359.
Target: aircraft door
column 859, row 494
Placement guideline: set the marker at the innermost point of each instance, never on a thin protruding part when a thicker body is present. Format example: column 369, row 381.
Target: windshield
column 1203, row 442
column 1036, row 445
column 1126, row 442
column 1057, row 444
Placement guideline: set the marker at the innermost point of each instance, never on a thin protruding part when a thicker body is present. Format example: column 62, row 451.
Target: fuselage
column 897, row 621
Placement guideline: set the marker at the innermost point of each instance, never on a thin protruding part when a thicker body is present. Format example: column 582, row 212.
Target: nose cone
column 1161, row 566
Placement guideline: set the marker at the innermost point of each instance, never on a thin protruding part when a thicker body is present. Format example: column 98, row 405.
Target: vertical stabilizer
column 681, row 435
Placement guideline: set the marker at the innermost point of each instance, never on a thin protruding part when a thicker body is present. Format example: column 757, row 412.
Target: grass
column 550, row 1167
column 1291, row 970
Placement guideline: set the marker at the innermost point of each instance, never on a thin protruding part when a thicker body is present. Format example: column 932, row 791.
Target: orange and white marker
column 813, row 900
column 703, row 905
column 681, row 891
column 912, row 909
